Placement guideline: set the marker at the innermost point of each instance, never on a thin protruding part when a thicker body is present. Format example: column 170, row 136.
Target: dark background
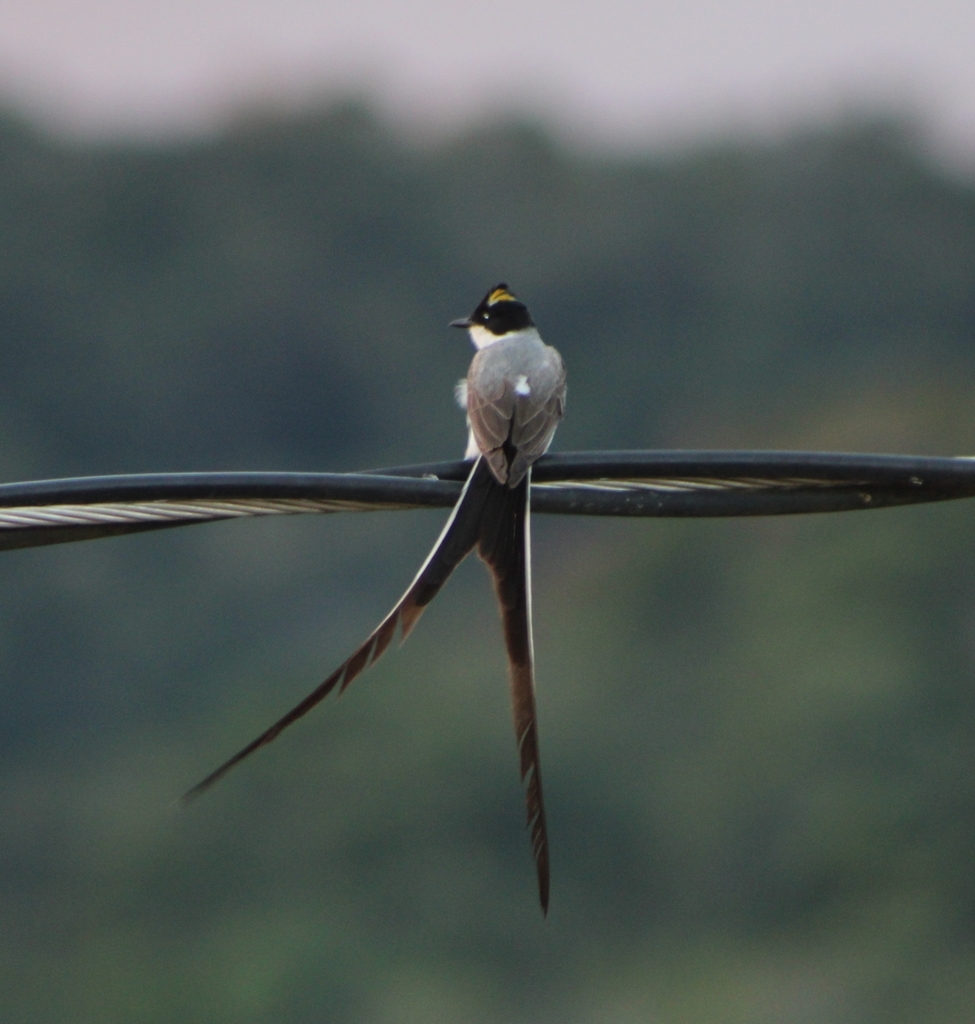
column 757, row 735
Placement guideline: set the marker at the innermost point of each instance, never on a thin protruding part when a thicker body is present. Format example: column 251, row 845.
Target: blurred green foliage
column 757, row 735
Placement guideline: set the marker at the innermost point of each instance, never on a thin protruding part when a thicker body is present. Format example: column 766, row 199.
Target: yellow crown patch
column 500, row 295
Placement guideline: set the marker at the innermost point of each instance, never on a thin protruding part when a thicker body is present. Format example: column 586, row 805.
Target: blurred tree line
column 757, row 735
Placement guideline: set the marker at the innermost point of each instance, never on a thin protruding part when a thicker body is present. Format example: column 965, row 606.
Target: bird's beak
column 463, row 322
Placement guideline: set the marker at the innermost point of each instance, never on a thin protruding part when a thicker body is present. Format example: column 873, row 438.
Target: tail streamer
column 494, row 519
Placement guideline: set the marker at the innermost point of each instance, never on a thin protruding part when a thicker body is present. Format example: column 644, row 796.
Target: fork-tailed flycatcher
column 515, row 395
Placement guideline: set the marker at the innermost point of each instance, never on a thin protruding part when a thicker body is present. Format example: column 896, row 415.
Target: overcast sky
column 611, row 70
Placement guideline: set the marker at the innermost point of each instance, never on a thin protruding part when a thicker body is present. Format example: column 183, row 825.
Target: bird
column 514, row 395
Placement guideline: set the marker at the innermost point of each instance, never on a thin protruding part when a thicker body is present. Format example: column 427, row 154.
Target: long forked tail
column 495, row 519
column 504, row 543
column 456, row 541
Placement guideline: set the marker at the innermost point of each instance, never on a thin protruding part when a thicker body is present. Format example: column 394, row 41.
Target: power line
column 661, row 483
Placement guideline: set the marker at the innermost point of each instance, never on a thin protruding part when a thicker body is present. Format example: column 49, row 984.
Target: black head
column 499, row 313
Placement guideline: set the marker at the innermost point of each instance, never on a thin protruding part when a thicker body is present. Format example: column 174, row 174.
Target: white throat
column 482, row 337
